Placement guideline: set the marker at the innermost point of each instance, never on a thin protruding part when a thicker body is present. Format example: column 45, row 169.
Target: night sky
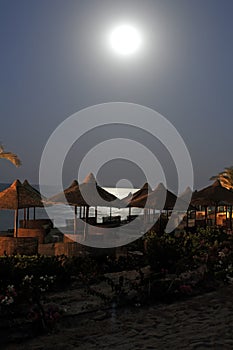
column 55, row 61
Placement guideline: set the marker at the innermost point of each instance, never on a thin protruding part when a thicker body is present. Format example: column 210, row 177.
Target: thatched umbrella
column 155, row 199
column 145, row 200
column 186, row 196
column 160, row 199
column 182, row 205
column 126, row 201
column 16, row 197
column 35, row 193
column 95, row 195
column 68, row 196
column 213, row 195
column 183, row 201
column 141, row 193
column 128, row 198
column 88, row 194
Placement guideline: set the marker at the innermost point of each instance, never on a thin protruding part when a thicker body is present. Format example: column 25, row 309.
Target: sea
column 61, row 214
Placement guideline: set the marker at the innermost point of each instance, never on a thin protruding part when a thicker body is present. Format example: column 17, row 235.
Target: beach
column 201, row 322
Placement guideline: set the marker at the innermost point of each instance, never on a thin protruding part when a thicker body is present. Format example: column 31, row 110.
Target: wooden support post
column 231, row 217
column 75, row 219
column 215, row 215
column 24, row 217
column 16, row 223
column 129, row 213
column 86, row 224
column 206, row 216
column 96, row 214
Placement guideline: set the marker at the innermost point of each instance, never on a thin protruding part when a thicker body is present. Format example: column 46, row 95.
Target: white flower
column 4, row 300
column 10, row 288
column 221, row 254
column 28, row 278
column 10, row 301
column 7, row 300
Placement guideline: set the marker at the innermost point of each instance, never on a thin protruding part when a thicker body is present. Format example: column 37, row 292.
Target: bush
column 181, row 251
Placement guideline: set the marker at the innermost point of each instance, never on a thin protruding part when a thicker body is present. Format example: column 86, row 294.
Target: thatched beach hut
column 131, row 198
column 18, row 196
column 35, row 193
column 87, row 194
column 214, row 195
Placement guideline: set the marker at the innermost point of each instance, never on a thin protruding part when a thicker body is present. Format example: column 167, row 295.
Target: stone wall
column 68, row 248
column 26, row 245
column 19, row 245
column 39, row 233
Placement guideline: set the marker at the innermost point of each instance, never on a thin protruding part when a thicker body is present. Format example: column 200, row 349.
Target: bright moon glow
column 125, row 40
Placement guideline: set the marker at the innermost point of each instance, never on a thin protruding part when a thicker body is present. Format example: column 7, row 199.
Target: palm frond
column 225, row 177
column 13, row 158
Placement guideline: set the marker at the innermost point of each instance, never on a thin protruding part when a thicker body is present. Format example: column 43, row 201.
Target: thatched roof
column 145, row 190
column 127, row 199
column 86, row 194
column 89, row 179
column 63, row 197
column 212, row 195
column 184, row 199
column 33, row 189
column 19, row 196
column 73, row 184
column 156, row 198
column 141, row 193
column 160, row 195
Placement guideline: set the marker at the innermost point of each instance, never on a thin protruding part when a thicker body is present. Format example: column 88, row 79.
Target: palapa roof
column 88, row 193
column 212, row 195
column 128, row 198
column 185, row 199
column 19, row 196
column 89, row 179
column 160, row 199
column 157, row 197
column 73, row 184
column 33, row 189
column 141, row 193
column 62, row 197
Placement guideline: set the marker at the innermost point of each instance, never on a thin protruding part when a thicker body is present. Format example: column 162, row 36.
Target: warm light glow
column 125, row 40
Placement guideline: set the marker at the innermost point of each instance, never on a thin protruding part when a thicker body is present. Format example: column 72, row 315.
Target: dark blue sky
column 53, row 63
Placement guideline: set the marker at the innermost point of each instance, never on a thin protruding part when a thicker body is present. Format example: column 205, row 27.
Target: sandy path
column 204, row 322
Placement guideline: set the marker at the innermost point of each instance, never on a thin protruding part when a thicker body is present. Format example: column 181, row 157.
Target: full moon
column 125, row 40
